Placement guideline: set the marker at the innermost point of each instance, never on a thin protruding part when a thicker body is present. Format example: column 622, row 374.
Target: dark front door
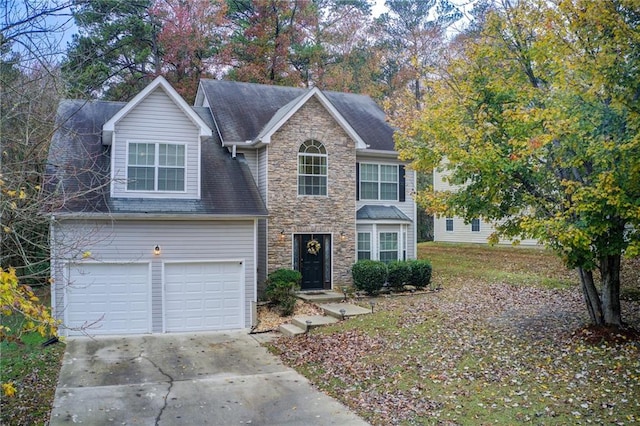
column 314, row 260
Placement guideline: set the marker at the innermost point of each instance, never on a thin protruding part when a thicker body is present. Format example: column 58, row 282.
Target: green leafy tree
column 535, row 119
column 116, row 52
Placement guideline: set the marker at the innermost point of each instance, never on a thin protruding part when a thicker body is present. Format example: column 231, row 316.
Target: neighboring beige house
column 175, row 214
column 454, row 229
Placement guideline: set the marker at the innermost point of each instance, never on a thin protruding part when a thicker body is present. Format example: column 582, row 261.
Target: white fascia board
column 109, row 127
column 382, row 222
column 378, row 153
column 266, row 136
column 152, row 216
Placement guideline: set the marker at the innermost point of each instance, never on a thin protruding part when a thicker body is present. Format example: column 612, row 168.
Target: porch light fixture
column 282, row 235
column 156, row 250
column 343, row 312
column 342, row 236
column 372, row 304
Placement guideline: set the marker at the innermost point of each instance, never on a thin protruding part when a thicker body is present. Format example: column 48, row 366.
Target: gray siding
column 133, row 241
column 407, row 207
column 156, row 119
column 251, row 157
column 263, row 157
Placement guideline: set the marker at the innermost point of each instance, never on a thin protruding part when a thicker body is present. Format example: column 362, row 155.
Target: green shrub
column 420, row 273
column 399, row 273
column 369, row 275
column 281, row 287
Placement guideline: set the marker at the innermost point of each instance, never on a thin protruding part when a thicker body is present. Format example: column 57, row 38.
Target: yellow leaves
column 8, row 389
column 86, row 254
column 6, row 229
column 16, row 299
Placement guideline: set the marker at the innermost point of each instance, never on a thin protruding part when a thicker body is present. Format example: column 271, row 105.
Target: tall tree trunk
column 610, row 271
column 591, row 296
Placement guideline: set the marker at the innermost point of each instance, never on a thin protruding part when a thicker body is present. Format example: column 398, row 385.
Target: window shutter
column 357, row 181
column 401, row 183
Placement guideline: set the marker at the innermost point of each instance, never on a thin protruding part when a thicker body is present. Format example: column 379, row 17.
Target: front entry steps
column 333, row 312
column 320, row 296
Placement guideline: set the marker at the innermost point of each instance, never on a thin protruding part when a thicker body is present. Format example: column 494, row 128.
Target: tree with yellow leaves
column 537, row 117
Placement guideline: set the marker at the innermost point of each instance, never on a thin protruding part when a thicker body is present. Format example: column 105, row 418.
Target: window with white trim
column 378, row 182
column 312, row 168
column 388, row 244
column 449, row 224
column 364, row 245
column 154, row 166
column 475, row 225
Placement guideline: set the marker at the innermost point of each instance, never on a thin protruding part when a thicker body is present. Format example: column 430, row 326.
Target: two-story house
column 454, row 229
column 168, row 217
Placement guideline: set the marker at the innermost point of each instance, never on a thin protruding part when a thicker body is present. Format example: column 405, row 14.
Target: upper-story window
column 153, row 166
column 312, row 168
column 378, row 182
column 475, row 225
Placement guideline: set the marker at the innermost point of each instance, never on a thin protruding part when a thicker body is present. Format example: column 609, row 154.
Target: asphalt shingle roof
column 77, row 173
column 242, row 110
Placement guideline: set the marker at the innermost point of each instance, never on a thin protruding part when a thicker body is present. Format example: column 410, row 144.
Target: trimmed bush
column 420, row 273
column 369, row 276
column 399, row 273
column 281, row 287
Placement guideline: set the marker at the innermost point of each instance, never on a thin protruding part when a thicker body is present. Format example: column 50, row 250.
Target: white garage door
column 203, row 296
column 117, row 296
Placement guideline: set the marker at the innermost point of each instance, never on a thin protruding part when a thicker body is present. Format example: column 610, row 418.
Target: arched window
column 312, row 168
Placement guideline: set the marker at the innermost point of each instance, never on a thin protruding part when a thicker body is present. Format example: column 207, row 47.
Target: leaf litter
column 477, row 352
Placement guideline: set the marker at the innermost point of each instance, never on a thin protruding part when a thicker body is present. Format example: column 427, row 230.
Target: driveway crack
column 166, row 397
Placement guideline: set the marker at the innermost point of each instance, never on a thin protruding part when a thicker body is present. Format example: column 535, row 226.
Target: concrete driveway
column 223, row 378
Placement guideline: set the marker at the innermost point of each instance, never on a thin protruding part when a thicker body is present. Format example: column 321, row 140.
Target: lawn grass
column 33, row 371
column 503, row 342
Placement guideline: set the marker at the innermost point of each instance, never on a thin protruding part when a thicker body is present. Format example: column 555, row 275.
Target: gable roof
column 162, row 84
column 244, row 112
column 77, row 174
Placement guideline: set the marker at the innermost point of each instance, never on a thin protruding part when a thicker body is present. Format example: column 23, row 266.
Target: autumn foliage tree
column 536, row 119
column 190, row 41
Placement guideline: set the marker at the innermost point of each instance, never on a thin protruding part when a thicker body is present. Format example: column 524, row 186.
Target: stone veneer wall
column 333, row 214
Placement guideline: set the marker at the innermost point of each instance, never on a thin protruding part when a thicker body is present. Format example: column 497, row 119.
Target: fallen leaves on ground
column 477, row 352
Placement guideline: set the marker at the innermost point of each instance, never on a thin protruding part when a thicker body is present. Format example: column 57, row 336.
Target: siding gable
column 157, row 118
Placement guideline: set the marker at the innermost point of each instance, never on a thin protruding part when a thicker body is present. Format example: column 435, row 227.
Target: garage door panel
column 203, row 296
column 115, row 295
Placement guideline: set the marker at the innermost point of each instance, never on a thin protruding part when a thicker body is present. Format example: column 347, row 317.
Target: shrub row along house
column 171, row 216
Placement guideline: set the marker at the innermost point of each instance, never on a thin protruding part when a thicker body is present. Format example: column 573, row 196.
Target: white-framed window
column 449, row 224
column 388, row 244
column 312, row 168
column 475, row 225
column 364, row 245
column 378, row 182
column 155, row 166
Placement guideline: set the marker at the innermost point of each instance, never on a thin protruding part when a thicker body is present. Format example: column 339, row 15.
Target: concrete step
column 290, row 330
column 320, row 296
column 314, row 321
column 350, row 310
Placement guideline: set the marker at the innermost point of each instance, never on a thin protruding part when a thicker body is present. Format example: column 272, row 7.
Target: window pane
column 140, row 178
column 388, row 191
column 170, row 179
column 475, row 225
column 369, row 172
column 171, row 155
column 449, row 224
column 388, row 246
column 389, row 174
column 369, row 191
column 142, row 154
column 312, row 169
